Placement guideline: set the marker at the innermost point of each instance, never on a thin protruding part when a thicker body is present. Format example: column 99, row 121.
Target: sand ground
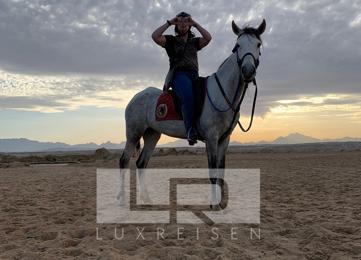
column 310, row 209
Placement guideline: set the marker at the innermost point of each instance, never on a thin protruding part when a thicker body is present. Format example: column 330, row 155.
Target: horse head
column 247, row 49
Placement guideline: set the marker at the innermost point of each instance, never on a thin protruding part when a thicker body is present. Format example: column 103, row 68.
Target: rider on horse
column 183, row 62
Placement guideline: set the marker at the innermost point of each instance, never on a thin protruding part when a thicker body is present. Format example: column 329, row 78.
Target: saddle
column 169, row 107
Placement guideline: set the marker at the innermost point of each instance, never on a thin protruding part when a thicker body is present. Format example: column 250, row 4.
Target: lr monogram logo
column 173, row 207
column 178, row 196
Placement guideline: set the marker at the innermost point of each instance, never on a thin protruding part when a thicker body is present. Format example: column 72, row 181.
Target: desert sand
column 310, row 209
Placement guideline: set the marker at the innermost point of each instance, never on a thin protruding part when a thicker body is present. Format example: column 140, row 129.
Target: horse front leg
column 212, row 154
column 221, row 162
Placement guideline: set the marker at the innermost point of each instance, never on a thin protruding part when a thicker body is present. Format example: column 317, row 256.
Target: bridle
column 240, row 61
column 231, row 105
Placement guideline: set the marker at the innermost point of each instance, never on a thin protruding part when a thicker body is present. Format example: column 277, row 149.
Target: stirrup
column 190, row 140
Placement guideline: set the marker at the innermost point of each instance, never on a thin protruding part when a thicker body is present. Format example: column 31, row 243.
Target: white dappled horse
column 219, row 116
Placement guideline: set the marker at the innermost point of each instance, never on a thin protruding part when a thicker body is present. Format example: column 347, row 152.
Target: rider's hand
column 191, row 22
column 174, row 21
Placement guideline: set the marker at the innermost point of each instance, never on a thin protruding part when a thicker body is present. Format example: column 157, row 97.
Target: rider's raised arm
column 206, row 36
column 158, row 36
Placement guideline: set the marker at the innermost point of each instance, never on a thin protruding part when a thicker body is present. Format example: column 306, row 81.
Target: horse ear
column 262, row 27
column 235, row 28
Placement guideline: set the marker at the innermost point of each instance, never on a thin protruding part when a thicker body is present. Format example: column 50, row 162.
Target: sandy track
column 310, row 209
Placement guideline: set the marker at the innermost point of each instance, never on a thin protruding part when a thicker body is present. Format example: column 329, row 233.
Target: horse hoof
column 223, row 205
column 215, row 207
column 120, row 195
column 146, row 199
column 121, row 202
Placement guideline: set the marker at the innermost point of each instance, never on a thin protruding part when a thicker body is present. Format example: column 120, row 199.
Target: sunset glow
column 69, row 78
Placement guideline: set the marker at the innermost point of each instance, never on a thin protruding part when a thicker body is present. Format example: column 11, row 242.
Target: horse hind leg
column 151, row 138
column 137, row 150
column 131, row 146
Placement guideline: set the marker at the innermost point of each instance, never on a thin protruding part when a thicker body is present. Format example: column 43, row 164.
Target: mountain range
column 14, row 145
column 293, row 138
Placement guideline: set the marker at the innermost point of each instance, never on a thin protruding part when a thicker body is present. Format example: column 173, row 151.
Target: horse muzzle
column 248, row 72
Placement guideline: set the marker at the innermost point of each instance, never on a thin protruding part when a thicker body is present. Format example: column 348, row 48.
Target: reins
column 231, row 106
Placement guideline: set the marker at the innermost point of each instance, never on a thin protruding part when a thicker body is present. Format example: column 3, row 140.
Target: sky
column 69, row 68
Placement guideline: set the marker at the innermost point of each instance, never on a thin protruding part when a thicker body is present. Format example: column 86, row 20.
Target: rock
column 73, row 252
column 45, row 236
column 71, row 242
column 101, row 154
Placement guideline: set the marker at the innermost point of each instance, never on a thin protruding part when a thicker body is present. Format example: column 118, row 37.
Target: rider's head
column 182, row 27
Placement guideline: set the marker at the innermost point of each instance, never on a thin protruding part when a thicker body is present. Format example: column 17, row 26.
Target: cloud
column 28, row 103
column 332, row 105
column 59, row 37
column 90, row 48
column 51, row 94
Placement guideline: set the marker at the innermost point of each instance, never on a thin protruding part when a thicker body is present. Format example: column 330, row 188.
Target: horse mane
column 251, row 31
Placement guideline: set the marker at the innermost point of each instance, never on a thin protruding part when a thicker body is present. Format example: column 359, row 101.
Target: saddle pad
column 169, row 109
column 165, row 109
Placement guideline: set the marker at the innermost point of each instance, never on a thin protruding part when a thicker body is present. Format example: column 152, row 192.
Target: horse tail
column 137, row 149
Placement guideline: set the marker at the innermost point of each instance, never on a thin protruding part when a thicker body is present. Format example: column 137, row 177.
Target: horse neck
column 229, row 76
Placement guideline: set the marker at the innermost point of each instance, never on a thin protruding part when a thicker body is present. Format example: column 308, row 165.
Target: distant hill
column 297, row 138
column 293, row 138
column 181, row 143
column 16, row 145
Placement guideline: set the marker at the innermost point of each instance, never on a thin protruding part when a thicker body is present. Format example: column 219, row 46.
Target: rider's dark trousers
column 182, row 87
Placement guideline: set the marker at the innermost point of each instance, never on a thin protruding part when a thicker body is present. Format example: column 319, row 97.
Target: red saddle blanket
column 165, row 109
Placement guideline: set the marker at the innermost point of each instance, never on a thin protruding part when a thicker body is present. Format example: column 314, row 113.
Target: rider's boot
column 192, row 136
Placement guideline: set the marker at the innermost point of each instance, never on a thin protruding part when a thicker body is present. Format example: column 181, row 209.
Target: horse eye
column 258, row 45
